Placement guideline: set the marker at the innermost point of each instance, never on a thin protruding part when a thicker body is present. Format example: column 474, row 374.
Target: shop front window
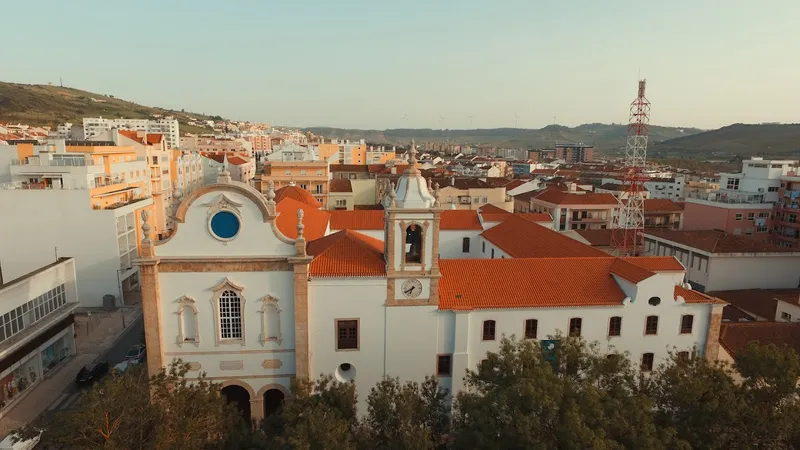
column 54, row 354
column 18, row 381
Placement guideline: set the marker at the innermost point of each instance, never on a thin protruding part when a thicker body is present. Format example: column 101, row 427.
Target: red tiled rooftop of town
column 346, row 253
column 297, row 193
column 340, row 185
column 736, row 336
column 314, row 219
column 521, row 238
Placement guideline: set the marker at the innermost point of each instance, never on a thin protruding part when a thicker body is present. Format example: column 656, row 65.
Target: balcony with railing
column 730, row 197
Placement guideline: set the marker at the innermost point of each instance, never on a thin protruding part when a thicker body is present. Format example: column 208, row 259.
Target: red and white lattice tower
column 628, row 233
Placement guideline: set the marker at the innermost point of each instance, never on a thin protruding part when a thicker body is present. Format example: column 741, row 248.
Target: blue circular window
column 225, row 225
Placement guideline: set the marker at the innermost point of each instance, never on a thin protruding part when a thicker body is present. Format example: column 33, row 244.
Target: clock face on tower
column 412, row 288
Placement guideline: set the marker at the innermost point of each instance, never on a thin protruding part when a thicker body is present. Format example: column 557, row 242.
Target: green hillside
column 735, row 140
column 45, row 105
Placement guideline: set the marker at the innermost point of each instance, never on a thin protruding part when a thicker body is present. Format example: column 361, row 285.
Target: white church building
column 255, row 292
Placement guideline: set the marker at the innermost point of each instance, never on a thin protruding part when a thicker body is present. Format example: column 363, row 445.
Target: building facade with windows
column 81, row 199
column 256, row 290
column 167, row 126
column 786, row 226
column 36, row 327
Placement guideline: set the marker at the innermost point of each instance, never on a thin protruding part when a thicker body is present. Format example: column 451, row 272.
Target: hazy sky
column 367, row 63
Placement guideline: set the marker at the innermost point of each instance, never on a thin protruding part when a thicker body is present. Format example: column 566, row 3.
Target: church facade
column 255, row 291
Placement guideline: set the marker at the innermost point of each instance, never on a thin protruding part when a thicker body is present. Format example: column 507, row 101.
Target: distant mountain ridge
column 776, row 140
column 606, row 138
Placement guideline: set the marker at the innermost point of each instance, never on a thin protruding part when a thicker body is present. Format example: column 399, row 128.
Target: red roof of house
column 315, row 220
column 657, row 263
column 460, row 220
column 653, row 205
column 148, row 139
column 736, row 336
column 522, row 238
column 558, row 197
column 692, row 296
column 357, row 220
column 597, row 238
column 347, row 254
column 296, row 193
column 340, row 185
column 713, row 241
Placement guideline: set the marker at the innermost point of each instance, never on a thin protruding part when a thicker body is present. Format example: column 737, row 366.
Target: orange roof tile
column 339, row 185
column 521, row 238
column 130, row 134
column 735, row 337
column 492, row 213
column 631, row 272
column 713, row 241
column 468, row 284
column 347, row 254
column 692, row 296
column 653, row 205
column 597, row 238
column 296, row 193
column 657, row 263
column 315, row 220
column 535, row 217
column 460, row 220
column 357, row 220
column 154, row 138
column 558, row 197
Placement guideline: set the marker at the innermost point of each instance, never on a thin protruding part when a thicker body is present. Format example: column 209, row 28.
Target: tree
column 321, row 415
column 409, row 415
column 167, row 411
column 525, row 396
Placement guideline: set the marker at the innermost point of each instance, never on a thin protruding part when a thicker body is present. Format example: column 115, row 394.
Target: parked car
column 90, row 374
column 136, row 354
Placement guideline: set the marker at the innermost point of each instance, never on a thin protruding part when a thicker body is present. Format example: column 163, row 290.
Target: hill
column 735, row 140
column 43, row 105
column 609, row 139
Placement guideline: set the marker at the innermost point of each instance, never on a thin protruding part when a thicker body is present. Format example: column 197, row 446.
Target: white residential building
column 167, row 126
column 256, row 292
column 36, row 327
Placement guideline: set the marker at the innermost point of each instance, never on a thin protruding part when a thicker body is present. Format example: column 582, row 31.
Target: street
column 114, row 355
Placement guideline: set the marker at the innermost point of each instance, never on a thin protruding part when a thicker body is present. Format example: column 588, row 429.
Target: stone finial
column 392, row 196
column 224, row 176
column 145, row 226
column 271, row 192
column 413, row 153
column 300, row 225
column 436, row 203
column 430, row 184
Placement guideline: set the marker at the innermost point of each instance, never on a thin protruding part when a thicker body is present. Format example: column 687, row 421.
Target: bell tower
column 412, row 217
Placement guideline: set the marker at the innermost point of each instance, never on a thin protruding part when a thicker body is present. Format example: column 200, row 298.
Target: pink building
column 748, row 219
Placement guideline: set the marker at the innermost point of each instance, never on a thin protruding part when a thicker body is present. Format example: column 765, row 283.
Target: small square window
column 687, row 322
column 683, row 356
column 531, row 328
column 739, row 216
column 347, row 334
column 786, row 316
column 615, row 326
column 575, row 325
column 488, row 330
column 444, row 365
column 751, row 216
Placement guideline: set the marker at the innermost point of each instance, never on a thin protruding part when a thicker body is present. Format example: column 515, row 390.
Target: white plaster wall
column 28, row 289
column 450, row 243
column 193, row 237
column 36, row 223
column 485, row 251
column 256, row 285
column 595, row 325
column 357, row 298
column 413, row 341
column 751, row 272
column 784, row 307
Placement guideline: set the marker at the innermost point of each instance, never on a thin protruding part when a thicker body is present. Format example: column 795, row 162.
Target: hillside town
column 260, row 254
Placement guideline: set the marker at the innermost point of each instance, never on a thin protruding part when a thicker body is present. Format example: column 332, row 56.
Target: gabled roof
column 657, row 263
column 296, row 193
column 468, row 284
column 492, row 213
column 315, row 220
column 357, row 220
column 340, row 185
column 460, row 219
column 597, row 238
column 631, row 272
column 346, row 254
column 735, row 336
column 521, row 238
column 558, row 197
column 655, row 205
column 692, row 296
column 713, row 241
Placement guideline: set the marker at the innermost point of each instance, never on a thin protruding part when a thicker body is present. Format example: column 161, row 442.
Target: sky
column 374, row 64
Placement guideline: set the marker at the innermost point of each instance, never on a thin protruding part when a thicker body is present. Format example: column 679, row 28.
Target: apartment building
column 167, row 126
column 300, row 166
column 215, row 144
column 241, row 167
column 744, row 203
column 470, row 193
column 261, row 142
column 671, row 188
column 786, row 226
column 36, row 327
column 82, row 199
column 574, row 153
column 716, row 261
column 571, row 209
column 663, row 213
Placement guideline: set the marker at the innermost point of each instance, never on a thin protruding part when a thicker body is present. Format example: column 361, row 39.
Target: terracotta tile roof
column 357, row 220
column 340, row 185
column 653, row 205
column 469, row 284
column 462, row 183
column 612, row 187
column 657, row 263
column 460, row 220
column 597, row 238
column 558, row 197
column 520, row 238
column 154, row 138
column 297, row 193
column 130, row 134
column 731, row 313
column 734, row 337
column 148, row 139
column 315, row 220
column 492, row 213
column 515, row 184
column 349, row 168
column 760, row 302
column 713, row 241
column 346, row 254
column 692, row 296
column 237, row 160
column 526, row 196
column 535, row 217
column 629, row 271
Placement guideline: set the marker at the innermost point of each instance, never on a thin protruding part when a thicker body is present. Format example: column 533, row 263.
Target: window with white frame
column 341, row 203
column 230, row 315
column 31, row 312
column 733, row 184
